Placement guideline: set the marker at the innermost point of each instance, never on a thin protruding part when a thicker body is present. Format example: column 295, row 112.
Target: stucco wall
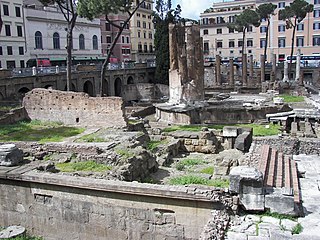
column 74, row 108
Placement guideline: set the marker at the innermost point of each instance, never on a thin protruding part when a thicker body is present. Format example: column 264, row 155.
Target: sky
column 192, row 8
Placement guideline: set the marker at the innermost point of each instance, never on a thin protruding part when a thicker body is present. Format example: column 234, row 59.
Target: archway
column 130, row 80
column 48, row 87
column 117, row 87
column 22, row 92
column 88, row 88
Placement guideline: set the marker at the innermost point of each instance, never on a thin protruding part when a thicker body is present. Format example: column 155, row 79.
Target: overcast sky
column 192, row 8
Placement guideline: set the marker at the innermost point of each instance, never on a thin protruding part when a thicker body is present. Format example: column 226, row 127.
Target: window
column 231, row 19
column 18, row 12
column 56, row 41
column 144, row 24
column 81, row 42
column 262, row 43
column 300, row 27
column 316, row 40
column 219, row 44
column 145, row 48
column 149, row 25
column 231, row 30
column 11, row 64
column 281, row 28
column 128, row 40
column 144, row 35
column 125, row 51
column 150, row 35
column 316, row 26
column 1, row 50
column 95, row 42
column 150, row 48
column 281, row 42
column 19, row 31
column 281, row 4
column 5, row 10
column 9, row 50
column 139, row 48
column 21, row 52
column 316, row 2
column 249, row 29
column 108, row 27
column 205, row 21
column 240, row 43
column 205, row 47
column 8, row 30
column 231, row 44
column 138, row 24
column 139, row 34
column 220, row 20
column 22, row 65
column 249, row 51
column 316, row 13
column 263, row 29
column 122, row 39
column 205, row 32
column 38, row 40
column 109, row 39
column 300, row 41
column 250, row 43
column 219, row 31
column 231, row 51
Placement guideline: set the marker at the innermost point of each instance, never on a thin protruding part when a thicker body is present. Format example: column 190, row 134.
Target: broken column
column 10, row 155
column 274, row 67
column 251, row 70
column 285, row 74
column 262, row 63
column 244, row 70
column 298, row 65
column 186, row 74
column 218, row 70
column 231, row 72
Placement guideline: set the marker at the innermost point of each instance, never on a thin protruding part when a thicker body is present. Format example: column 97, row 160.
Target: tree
column 163, row 15
column 293, row 15
column 96, row 8
column 69, row 10
column 242, row 22
column 265, row 11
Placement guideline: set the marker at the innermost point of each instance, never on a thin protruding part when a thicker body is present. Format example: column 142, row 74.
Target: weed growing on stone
column 87, row 166
column 191, row 179
column 37, row 131
column 153, row 145
column 278, row 215
column 297, row 229
column 290, row 98
column 91, row 138
column 123, row 152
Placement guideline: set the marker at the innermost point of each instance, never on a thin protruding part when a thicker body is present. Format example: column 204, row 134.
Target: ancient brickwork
column 186, row 75
column 14, row 116
column 74, row 108
column 84, row 208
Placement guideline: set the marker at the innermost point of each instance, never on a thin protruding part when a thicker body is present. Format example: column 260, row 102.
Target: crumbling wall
column 186, row 74
column 74, row 108
column 144, row 91
column 14, row 116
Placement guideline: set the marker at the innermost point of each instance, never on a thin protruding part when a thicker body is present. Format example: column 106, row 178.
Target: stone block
column 229, row 131
column 243, row 141
column 202, row 142
column 10, row 155
column 195, row 142
column 187, row 141
column 280, row 203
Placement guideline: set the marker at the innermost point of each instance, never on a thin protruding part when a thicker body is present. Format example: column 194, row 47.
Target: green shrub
column 189, row 162
column 91, row 138
column 124, row 152
column 87, row 166
column 207, row 170
column 290, row 98
column 191, row 179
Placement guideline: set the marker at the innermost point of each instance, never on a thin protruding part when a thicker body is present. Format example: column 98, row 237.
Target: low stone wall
column 74, row 108
column 144, row 91
column 84, row 208
column 14, row 116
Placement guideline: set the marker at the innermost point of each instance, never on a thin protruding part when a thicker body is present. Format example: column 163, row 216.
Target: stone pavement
column 251, row 227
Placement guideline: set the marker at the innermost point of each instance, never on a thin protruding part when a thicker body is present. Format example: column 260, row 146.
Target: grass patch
column 153, row 145
column 87, row 166
column 208, row 170
column 37, row 131
column 278, row 215
column 191, row 179
column 189, row 162
column 27, row 238
column 290, row 98
column 297, row 229
column 123, row 152
column 94, row 137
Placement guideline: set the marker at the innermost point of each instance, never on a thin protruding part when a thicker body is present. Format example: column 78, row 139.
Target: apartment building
column 142, row 33
column 122, row 49
column 12, row 36
column 218, row 39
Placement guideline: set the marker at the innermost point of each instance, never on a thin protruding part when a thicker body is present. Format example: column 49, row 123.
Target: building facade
column 219, row 40
column 12, row 36
column 142, row 33
column 122, row 49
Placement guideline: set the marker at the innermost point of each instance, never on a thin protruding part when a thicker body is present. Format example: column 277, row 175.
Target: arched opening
column 22, row 92
column 130, row 80
column 48, row 86
column 88, row 88
column 117, row 87
column 38, row 40
column 72, row 87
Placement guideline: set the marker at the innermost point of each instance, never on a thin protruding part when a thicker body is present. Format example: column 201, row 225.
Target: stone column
column 244, row 70
column 262, row 65
column 301, row 80
column 298, row 65
column 250, row 82
column 285, row 74
column 274, row 67
column 218, row 70
column 231, row 72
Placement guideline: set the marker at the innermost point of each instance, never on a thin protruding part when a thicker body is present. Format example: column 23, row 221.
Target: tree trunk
column 69, row 58
column 292, row 46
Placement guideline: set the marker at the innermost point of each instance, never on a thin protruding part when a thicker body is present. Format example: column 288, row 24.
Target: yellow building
column 142, row 33
column 219, row 40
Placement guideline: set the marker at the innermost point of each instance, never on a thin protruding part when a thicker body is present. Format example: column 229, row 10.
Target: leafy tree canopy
column 297, row 10
column 244, row 20
column 266, row 10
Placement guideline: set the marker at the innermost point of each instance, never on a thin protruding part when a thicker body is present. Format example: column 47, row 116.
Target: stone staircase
column 280, row 181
